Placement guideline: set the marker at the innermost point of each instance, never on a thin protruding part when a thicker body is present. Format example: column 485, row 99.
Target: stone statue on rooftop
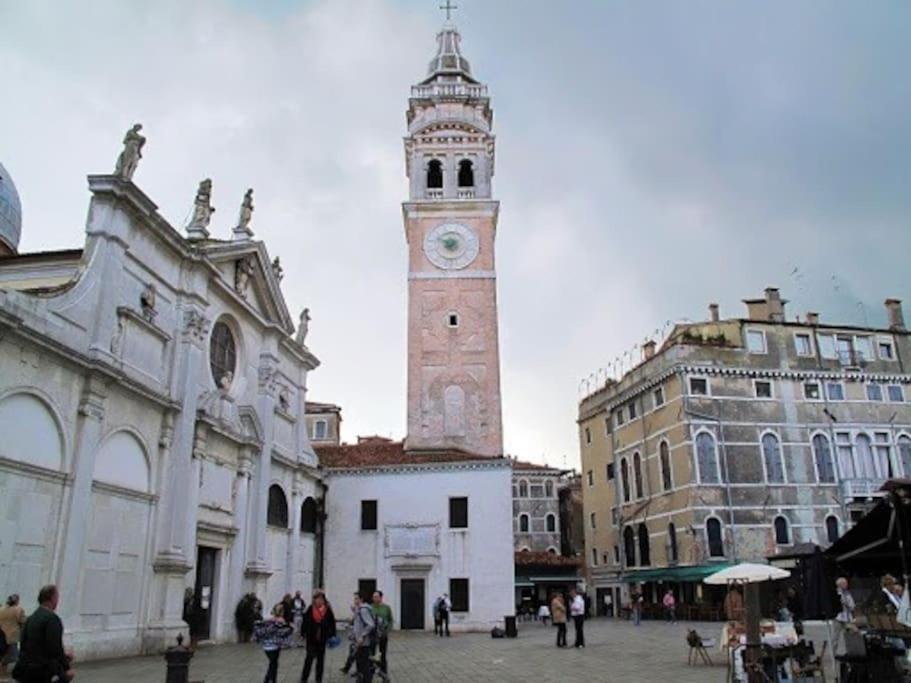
column 277, row 269
column 304, row 327
column 202, row 211
column 242, row 230
column 131, row 154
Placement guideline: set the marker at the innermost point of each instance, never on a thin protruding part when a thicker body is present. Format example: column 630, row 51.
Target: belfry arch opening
column 466, row 173
column 435, row 175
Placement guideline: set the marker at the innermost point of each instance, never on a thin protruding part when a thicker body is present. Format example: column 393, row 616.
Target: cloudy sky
column 652, row 157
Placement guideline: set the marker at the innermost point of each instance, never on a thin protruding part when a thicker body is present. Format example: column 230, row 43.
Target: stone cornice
column 10, row 465
column 410, row 468
column 123, row 492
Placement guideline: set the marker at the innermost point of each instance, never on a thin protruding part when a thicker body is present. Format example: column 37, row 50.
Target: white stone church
column 153, row 401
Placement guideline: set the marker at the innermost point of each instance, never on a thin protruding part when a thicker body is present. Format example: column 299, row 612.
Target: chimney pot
column 896, row 315
column 713, row 312
column 774, row 305
column 812, row 318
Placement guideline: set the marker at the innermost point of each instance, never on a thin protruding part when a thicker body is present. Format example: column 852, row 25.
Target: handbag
column 333, row 642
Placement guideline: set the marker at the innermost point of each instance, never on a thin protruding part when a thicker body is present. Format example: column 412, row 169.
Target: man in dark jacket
column 42, row 658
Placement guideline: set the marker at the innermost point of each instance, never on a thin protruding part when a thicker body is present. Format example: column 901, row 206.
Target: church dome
column 10, row 214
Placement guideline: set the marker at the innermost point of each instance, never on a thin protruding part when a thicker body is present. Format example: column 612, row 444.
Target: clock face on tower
column 451, row 246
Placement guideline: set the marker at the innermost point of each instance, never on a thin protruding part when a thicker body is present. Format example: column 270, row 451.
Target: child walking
column 273, row 634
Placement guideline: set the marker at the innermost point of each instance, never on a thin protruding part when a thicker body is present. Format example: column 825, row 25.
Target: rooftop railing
column 449, row 90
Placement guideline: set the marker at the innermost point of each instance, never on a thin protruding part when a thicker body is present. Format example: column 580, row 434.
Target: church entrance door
column 204, row 593
column 413, row 604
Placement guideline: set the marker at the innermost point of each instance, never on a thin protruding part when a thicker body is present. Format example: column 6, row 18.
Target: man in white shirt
column 577, row 611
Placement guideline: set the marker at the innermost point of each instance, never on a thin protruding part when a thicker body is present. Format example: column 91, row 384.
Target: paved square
column 616, row 651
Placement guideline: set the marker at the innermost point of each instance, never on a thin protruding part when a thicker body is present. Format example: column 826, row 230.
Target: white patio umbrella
column 747, row 572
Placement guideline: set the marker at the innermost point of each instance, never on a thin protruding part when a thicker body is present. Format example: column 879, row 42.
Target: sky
column 652, row 157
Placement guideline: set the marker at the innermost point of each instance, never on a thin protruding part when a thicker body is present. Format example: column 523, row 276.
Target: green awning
column 673, row 574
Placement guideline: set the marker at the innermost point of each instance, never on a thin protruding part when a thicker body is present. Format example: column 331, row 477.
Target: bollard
column 178, row 660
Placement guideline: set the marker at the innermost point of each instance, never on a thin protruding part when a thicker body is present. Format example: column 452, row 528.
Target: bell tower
column 450, row 226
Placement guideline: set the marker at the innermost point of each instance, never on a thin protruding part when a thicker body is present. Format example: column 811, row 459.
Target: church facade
column 152, row 397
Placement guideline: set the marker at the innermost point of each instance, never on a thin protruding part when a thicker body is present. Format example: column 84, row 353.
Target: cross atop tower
column 448, row 7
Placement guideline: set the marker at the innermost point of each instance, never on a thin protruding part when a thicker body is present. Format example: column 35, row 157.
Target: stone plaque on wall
column 412, row 540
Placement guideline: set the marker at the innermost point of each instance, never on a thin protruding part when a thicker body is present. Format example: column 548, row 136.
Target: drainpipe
column 321, row 537
column 724, row 459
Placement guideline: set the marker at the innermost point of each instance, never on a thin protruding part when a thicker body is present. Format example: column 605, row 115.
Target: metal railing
column 863, row 488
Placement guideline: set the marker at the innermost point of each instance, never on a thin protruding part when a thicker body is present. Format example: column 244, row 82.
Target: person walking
column 363, row 629
column 298, row 605
column 437, row 624
column 12, row 618
column 558, row 613
column 273, row 634
column 670, row 605
column 577, row 612
column 635, row 603
column 352, row 650
column 544, row 613
column 318, row 626
column 444, row 608
column 42, row 656
column 845, row 617
column 287, row 604
column 382, row 615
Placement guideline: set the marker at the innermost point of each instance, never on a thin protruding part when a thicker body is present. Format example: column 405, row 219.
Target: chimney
column 812, row 318
column 775, row 305
column 896, row 316
column 713, row 312
column 649, row 349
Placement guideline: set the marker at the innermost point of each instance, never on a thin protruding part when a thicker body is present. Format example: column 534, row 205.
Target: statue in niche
column 243, row 231
column 243, row 271
column 202, row 209
column 224, row 384
column 277, row 269
column 303, row 327
column 147, row 302
column 131, row 154
column 284, row 399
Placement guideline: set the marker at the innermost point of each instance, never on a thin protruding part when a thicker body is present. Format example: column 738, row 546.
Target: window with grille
column 308, row 516
column 368, row 515
column 458, row 594
column 458, row 513
column 222, row 354
column 713, row 533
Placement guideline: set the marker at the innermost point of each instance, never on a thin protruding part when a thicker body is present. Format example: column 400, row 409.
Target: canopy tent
column 673, row 574
column 747, row 572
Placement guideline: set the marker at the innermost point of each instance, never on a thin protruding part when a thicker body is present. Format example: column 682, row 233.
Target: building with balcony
column 736, row 439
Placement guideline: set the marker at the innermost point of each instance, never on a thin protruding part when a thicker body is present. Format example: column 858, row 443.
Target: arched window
column 713, row 533
column 866, row 464
column 435, row 174
column 624, row 479
column 523, row 523
column 222, row 354
column 277, row 514
column 825, row 466
column 904, row 455
column 551, row 523
column 782, row 533
column 832, row 528
column 645, row 555
column 629, row 546
column 637, row 474
column 549, row 489
column 707, row 459
column 308, row 516
column 665, row 457
column 671, row 542
column 523, row 489
column 771, row 455
column 466, row 173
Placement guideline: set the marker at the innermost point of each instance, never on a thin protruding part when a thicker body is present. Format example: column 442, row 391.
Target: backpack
column 382, row 626
column 4, row 645
column 497, row 632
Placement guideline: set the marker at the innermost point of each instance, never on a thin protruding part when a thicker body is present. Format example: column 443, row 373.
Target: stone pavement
column 616, row 651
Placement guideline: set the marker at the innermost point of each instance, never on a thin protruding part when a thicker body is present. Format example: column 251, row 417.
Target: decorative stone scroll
column 412, row 540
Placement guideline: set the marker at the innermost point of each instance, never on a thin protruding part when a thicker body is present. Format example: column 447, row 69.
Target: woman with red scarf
column 317, row 628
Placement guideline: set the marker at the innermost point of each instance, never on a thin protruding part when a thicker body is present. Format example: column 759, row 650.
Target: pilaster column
column 258, row 562
column 177, row 523
column 241, row 511
column 90, row 420
column 294, row 540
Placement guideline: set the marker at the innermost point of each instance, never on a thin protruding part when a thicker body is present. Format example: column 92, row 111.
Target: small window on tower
column 466, row 174
column 435, row 174
column 453, row 319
